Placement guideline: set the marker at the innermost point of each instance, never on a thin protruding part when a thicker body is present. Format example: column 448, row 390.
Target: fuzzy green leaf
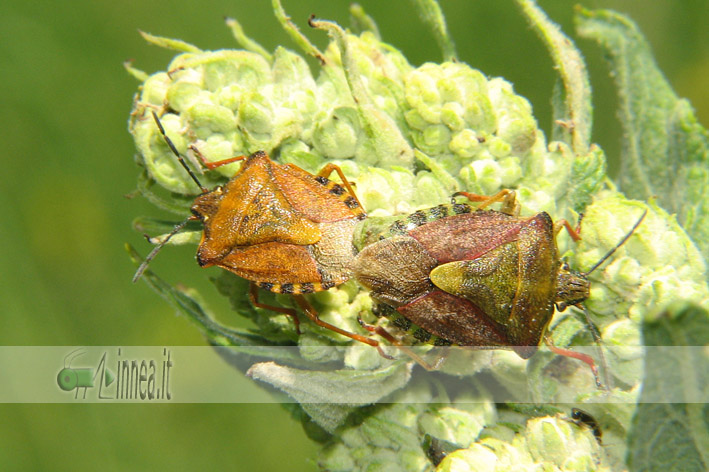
column 329, row 396
column 431, row 14
column 673, row 436
column 361, row 21
column 169, row 43
column 137, row 73
column 294, row 32
column 246, row 42
column 177, row 204
column 215, row 333
column 665, row 149
column 577, row 116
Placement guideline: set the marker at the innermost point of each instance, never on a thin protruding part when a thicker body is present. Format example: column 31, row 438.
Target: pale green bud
column 547, row 443
column 429, row 191
column 408, row 138
column 465, row 143
column 658, row 261
column 624, row 350
column 515, row 124
column 483, row 176
column 460, row 423
column 555, row 441
column 337, row 135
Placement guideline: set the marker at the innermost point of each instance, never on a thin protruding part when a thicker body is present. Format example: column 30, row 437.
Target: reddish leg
column 395, row 342
column 599, row 342
column 313, row 315
column 507, row 197
column 329, row 168
column 576, row 355
column 215, row 164
column 574, row 233
column 253, row 297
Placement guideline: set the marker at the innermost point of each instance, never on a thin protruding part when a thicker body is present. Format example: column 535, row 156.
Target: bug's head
column 206, row 205
column 572, row 287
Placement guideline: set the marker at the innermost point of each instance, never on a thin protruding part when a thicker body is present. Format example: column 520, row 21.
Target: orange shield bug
column 278, row 226
column 475, row 277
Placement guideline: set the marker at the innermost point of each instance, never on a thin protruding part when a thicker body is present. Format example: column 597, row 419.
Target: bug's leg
column 329, row 168
column 215, row 164
column 253, row 297
column 372, row 329
column 313, row 315
column 506, row 196
column 574, row 233
column 576, row 355
column 395, row 342
column 599, row 343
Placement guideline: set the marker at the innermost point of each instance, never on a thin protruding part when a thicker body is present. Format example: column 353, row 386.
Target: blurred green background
column 68, row 162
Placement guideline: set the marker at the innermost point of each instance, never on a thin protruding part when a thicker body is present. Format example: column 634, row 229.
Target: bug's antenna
column 176, row 153
column 622, row 241
column 156, row 249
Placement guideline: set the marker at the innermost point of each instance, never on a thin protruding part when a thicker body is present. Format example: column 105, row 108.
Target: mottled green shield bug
column 475, row 277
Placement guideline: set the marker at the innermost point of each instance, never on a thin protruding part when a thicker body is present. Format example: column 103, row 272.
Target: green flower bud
column 478, row 458
column 656, row 264
column 257, row 115
column 515, row 124
column 408, row 138
column 483, row 176
column 337, row 135
column 429, row 190
column 378, row 188
column 465, row 143
column 547, row 443
column 462, row 422
column 624, row 354
column 336, row 457
column 555, row 441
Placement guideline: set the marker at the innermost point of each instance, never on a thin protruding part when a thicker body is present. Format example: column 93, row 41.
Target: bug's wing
column 454, row 319
column 539, row 265
column 395, row 270
column 316, row 198
column 490, row 282
column 513, row 283
column 250, row 209
column 467, row 236
column 276, row 263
